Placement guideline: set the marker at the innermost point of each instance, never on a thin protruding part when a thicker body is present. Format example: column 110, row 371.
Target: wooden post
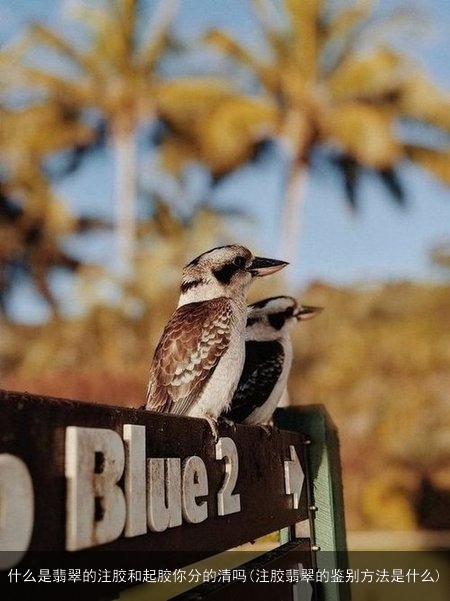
column 328, row 528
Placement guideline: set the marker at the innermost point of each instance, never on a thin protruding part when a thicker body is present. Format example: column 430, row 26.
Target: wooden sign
column 78, row 477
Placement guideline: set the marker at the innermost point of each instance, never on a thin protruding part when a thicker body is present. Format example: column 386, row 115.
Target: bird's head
column 223, row 271
column 271, row 318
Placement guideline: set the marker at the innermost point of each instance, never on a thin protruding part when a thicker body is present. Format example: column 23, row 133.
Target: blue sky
column 380, row 242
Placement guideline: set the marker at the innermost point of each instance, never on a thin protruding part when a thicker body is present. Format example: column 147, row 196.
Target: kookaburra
column 268, row 358
column 199, row 358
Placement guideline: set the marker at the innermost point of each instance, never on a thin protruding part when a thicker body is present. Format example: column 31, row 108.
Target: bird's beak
column 260, row 267
column 307, row 312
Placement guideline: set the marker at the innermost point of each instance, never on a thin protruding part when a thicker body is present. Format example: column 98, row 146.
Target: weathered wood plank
column 53, row 440
column 260, row 578
column 34, row 429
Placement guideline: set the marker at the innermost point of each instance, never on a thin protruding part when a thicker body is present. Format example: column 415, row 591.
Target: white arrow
column 293, row 477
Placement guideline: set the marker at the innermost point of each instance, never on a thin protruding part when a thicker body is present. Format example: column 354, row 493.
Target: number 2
column 227, row 502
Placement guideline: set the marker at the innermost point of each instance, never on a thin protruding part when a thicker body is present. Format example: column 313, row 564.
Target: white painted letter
column 226, row 501
column 164, row 494
column 195, row 484
column 135, row 485
column 95, row 504
column 16, row 510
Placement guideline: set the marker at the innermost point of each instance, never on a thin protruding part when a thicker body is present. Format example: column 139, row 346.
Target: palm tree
column 338, row 86
column 216, row 126
column 33, row 219
column 115, row 75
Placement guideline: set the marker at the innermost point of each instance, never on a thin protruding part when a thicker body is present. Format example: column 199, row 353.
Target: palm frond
column 31, row 79
column 391, row 180
column 233, row 49
column 366, row 133
column 421, row 99
column 433, row 160
column 235, row 125
column 156, row 39
column 350, row 172
column 348, row 19
column 182, row 103
column 372, row 76
column 46, row 36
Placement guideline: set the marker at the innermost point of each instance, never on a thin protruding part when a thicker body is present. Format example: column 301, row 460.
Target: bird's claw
column 214, row 429
column 229, row 422
column 268, row 428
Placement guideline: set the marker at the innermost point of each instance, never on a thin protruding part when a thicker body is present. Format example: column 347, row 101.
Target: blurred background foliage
column 329, row 87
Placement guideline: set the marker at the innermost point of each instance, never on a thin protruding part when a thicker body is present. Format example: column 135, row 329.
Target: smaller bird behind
column 199, row 358
column 268, row 358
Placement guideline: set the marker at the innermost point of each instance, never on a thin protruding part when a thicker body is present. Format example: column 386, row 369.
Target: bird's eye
column 289, row 311
column 225, row 273
column 277, row 320
column 239, row 262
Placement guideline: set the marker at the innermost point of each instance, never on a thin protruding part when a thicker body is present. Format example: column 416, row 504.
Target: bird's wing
column 263, row 366
column 192, row 343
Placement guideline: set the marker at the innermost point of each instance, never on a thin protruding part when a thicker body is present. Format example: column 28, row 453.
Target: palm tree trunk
column 123, row 145
column 292, row 210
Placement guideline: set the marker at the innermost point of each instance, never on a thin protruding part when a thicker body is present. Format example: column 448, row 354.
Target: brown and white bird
column 199, row 358
column 268, row 358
